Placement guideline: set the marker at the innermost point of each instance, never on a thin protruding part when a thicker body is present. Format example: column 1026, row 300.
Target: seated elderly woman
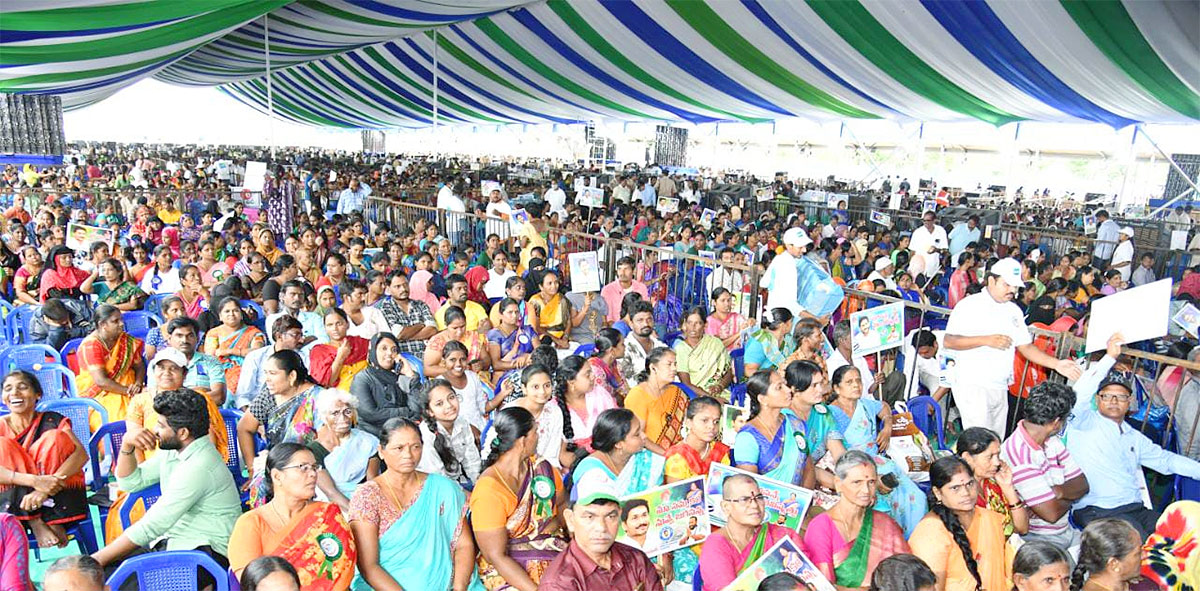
column 423, row 541
column 704, row 364
column 345, row 453
column 516, row 507
column 41, row 463
column 847, row 542
column 311, row 535
column 745, row 538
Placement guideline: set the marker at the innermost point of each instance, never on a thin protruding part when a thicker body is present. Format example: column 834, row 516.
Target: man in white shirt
column 556, row 201
column 449, row 198
column 497, row 207
column 1106, row 239
column 843, row 355
column 962, row 235
column 352, row 198
column 927, row 242
column 883, row 271
column 623, row 191
column 984, row 331
column 1122, row 259
column 781, row 277
column 723, row 276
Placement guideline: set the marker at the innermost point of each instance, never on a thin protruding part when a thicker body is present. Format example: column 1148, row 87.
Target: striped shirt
column 1035, row 471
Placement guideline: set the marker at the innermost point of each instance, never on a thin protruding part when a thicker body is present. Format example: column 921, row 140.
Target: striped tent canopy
column 390, row 63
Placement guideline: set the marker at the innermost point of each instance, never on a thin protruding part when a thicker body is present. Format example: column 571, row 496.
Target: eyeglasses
column 304, row 468
column 758, row 498
column 1114, row 397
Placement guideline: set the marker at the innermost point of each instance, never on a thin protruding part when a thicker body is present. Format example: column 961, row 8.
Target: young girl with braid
column 552, row 428
column 1109, row 557
column 962, row 543
column 581, row 400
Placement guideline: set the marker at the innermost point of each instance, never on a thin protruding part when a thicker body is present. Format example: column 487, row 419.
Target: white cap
column 1035, row 255
column 1127, row 231
column 796, row 237
column 169, row 354
column 1009, row 270
column 882, row 263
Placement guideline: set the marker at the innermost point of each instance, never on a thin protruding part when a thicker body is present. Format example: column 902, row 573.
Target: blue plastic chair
column 737, row 394
column 417, row 363
column 83, row 532
column 78, row 410
column 920, row 406
column 57, row 380
column 168, row 571
column 139, row 322
column 27, row 356
column 148, row 496
column 231, row 417
column 739, row 364
column 260, row 320
column 585, row 350
column 16, row 324
column 69, row 348
column 686, row 390
column 153, row 304
column 114, row 433
column 1186, row 489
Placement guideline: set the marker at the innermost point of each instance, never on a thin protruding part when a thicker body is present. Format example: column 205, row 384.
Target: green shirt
column 199, row 502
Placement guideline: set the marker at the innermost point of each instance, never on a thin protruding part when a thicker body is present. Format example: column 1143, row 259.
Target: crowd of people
column 437, row 408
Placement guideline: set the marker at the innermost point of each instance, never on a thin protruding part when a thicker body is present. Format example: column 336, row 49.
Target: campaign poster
column 732, row 419
column 786, row 504
column 590, row 197
column 881, row 218
column 783, row 556
column 486, row 188
column 256, row 173
column 1188, row 317
column 877, row 329
column 81, row 237
column 666, row 518
column 708, row 217
column 517, row 219
column 762, row 194
column 1139, row 314
column 585, row 271
column 1089, row 224
column 747, row 254
column 668, row 205
column 929, row 205
column 834, row 200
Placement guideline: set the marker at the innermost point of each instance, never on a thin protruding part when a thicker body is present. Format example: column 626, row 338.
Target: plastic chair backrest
column 417, row 363
column 140, row 321
column 174, row 570
column 585, row 350
column 1187, row 489
column 739, row 364
column 148, row 496
column 16, row 324
column 57, row 380
column 67, row 353
column 26, row 356
column 920, row 406
column 154, row 304
column 78, row 410
column 686, row 390
column 260, row 320
column 114, row 433
column 231, row 418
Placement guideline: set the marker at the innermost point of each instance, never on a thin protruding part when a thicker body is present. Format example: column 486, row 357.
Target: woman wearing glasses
column 346, row 454
column 745, row 538
column 291, row 525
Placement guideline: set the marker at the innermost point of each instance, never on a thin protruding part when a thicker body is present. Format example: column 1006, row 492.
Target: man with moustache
column 593, row 559
column 412, row 321
column 640, row 342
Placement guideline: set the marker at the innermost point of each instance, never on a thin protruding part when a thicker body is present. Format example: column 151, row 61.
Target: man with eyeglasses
column 286, row 333
column 727, row 550
column 1112, row 452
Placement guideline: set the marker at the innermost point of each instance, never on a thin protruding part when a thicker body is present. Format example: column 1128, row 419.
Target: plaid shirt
column 397, row 318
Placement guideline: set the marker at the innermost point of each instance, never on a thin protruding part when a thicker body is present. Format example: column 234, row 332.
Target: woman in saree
column 456, row 330
column 856, row 420
column 731, row 550
column 516, row 507
column 28, row 277
column 660, row 405
column 409, row 525
column 980, row 448
column 575, row 390
column 286, row 410
column 232, row 340
column 724, row 323
column 346, row 454
column 311, row 535
column 61, row 278
column 704, row 364
column 264, row 244
column 111, row 367
column 810, row 388
column 701, row 447
column 810, row 343
column 510, row 344
column 533, row 234
column 769, row 444
column 193, row 294
column 610, row 347
column 41, row 463
column 770, row 346
column 849, row 540
column 119, row 291
column 334, row 364
column 550, row 311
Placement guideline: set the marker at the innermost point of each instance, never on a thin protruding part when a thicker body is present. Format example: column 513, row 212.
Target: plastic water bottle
column 818, row 293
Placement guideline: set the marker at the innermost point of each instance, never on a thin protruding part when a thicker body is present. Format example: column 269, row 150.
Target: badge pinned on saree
column 801, row 444
column 331, row 547
column 523, row 339
column 543, row 491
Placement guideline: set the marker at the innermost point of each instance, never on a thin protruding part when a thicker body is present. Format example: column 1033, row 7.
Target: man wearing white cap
column 1122, row 259
column 983, row 331
column 883, row 271
column 780, row 277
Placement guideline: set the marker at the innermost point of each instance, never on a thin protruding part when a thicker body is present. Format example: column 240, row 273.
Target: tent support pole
column 1170, row 161
column 270, row 90
column 435, row 88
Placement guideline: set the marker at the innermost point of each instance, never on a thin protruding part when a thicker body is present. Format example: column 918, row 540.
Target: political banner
column 1139, row 314
column 81, row 237
column 1188, row 318
column 786, row 503
column 732, row 419
column 877, row 329
column 585, row 271
column 784, row 556
column 929, row 205
column 664, row 519
column 486, row 188
column 763, row 194
column 881, row 218
column 590, row 197
column 707, row 217
column 668, row 205
column 517, row 220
